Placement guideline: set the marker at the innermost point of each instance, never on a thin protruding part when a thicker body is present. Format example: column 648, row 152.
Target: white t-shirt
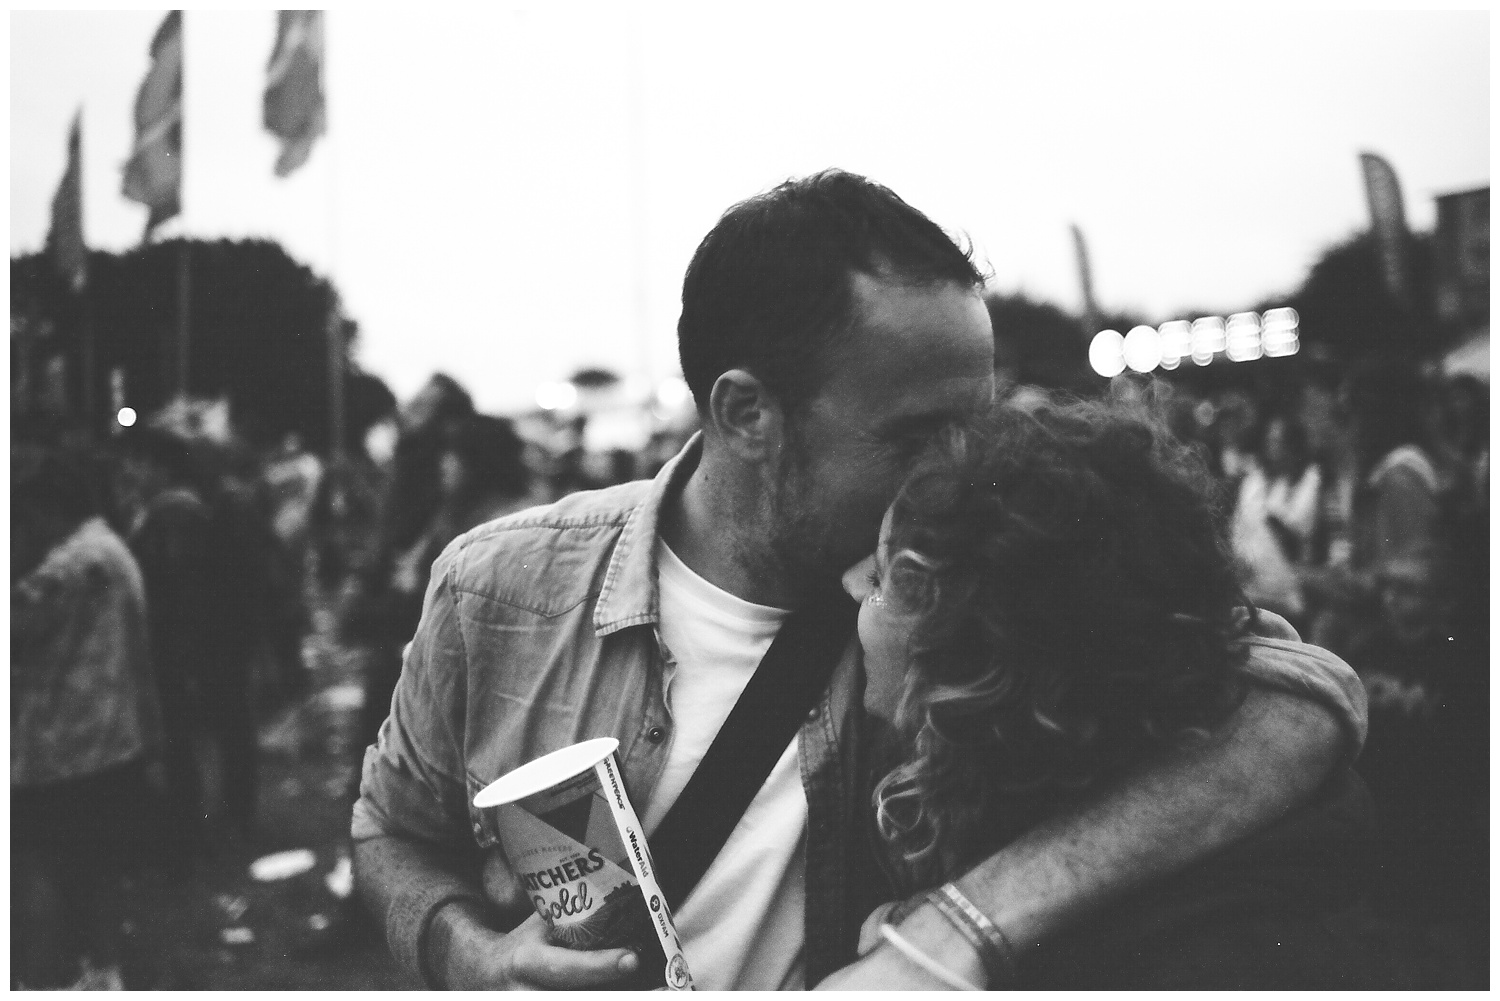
column 742, row 926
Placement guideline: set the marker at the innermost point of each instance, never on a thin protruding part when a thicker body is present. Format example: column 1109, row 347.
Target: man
column 85, row 726
column 207, row 596
column 828, row 329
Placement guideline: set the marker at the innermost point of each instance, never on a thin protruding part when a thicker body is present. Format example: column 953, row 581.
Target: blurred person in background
column 210, row 594
column 85, row 727
column 570, row 472
column 482, row 475
column 346, row 505
column 380, row 612
column 1394, row 504
column 1426, row 759
column 1459, row 437
column 1237, row 416
column 293, row 479
column 1276, row 516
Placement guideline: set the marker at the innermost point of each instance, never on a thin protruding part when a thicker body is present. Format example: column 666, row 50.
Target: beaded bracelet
column 994, row 949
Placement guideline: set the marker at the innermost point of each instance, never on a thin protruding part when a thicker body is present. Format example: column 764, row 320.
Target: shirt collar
column 630, row 596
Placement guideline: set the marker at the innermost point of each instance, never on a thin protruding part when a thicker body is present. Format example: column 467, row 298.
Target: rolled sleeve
column 1277, row 658
column 412, row 783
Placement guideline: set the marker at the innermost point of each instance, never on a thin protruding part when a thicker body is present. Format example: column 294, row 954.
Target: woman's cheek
column 885, row 655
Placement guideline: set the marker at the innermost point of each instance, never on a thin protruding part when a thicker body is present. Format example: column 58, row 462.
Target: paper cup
column 574, row 842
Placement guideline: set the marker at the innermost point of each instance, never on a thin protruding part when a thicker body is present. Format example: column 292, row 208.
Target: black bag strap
column 788, row 682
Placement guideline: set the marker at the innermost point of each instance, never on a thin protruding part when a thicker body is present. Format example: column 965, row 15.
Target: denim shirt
column 539, row 630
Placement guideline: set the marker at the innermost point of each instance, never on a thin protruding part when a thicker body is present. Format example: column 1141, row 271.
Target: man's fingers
column 553, row 966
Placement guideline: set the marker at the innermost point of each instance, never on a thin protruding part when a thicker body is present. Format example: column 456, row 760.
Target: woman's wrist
column 927, row 929
column 994, row 949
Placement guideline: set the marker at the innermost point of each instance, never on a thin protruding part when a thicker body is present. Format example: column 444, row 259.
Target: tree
column 258, row 323
column 1344, row 303
column 1038, row 343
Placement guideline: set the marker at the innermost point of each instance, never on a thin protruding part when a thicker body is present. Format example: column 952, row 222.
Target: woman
column 1053, row 601
column 1276, row 516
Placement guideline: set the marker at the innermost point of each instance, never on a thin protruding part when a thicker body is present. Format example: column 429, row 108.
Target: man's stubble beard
column 792, row 552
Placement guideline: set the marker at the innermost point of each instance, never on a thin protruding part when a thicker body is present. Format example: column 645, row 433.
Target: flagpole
column 86, row 312
column 90, row 361
column 336, row 346
column 184, row 313
column 184, row 260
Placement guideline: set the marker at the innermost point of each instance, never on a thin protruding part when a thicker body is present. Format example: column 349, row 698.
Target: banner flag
column 1461, row 258
column 293, row 107
column 1086, row 280
column 1387, row 222
column 153, row 175
column 65, row 244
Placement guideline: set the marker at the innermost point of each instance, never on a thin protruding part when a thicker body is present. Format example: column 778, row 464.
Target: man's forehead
column 915, row 351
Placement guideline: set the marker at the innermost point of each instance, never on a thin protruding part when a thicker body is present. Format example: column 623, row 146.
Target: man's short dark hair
column 769, row 288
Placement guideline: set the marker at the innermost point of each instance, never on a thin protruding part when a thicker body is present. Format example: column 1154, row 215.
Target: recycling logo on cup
column 655, row 902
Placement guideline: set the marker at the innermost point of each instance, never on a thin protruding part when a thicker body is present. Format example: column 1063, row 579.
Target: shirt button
column 812, row 714
column 655, row 734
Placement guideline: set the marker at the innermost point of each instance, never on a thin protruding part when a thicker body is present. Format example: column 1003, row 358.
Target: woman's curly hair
column 1078, row 611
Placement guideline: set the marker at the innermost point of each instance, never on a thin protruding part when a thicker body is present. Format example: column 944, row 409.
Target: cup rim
column 548, row 770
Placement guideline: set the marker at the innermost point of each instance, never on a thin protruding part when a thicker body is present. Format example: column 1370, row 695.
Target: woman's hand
column 869, row 932
column 883, row 968
column 892, row 913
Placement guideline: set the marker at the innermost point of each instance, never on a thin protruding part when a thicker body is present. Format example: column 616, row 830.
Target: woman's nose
column 857, row 578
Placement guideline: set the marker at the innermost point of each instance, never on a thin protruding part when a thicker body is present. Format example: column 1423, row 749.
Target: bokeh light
column 1176, row 342
column 1280, row 334
column 1142, row 348
column 1207, row 338
column 1242, row 337
column 1107, row 353
column 672, row 393
column 556, row 395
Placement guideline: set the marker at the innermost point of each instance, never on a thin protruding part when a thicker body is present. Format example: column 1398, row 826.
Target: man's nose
column 857, row 578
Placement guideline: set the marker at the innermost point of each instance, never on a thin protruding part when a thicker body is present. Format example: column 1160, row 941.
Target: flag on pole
column 153, row 175
column 65, row 244
column 1387, row 221
column 293, row 109
column 1086, row 280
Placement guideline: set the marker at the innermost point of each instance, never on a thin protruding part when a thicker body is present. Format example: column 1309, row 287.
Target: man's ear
column 745, row 415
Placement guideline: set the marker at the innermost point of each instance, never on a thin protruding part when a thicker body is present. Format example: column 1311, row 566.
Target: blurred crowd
column 162, row 582
column 1358, row 507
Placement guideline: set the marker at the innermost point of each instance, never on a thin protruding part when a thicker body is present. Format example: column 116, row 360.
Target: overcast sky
column 510, row 193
